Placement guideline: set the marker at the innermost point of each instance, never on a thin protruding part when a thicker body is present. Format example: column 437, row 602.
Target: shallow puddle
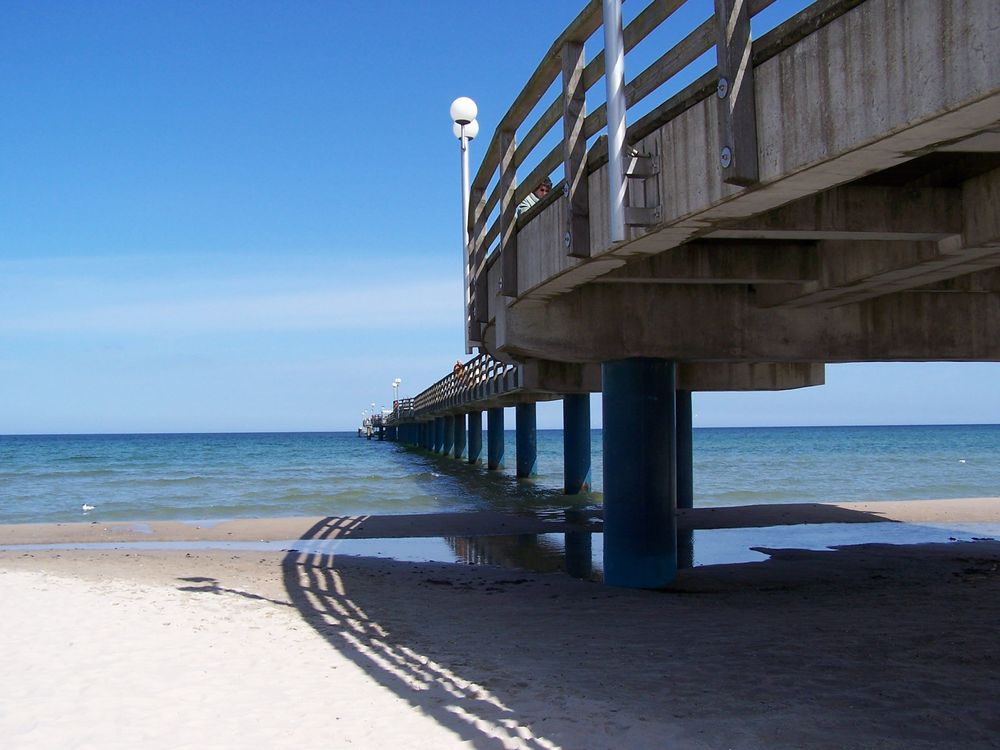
column 579, row 554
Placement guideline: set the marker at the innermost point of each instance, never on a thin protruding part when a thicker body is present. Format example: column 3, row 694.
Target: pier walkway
column 827, row 191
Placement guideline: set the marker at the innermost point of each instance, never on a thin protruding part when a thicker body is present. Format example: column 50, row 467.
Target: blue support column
column 449, row 435
column 526, row 439
column 429, row 435
column 438, row 434
column 459, row 436
column 576, row 443
column 475, row 436
column 494, row 438
column 640, row 473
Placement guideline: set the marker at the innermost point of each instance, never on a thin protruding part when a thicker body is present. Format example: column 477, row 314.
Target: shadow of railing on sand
column 318, row 590
column 528, row 662
column 537, row 661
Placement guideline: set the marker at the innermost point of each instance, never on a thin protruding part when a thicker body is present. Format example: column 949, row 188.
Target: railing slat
column 672, row 62
column 574, row 113
column 508, row 214
column 545, row 123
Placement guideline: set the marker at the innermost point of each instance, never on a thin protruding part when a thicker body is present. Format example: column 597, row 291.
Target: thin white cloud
column 114, row 309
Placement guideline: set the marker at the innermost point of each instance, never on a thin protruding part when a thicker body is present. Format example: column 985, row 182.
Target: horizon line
column 540, row 429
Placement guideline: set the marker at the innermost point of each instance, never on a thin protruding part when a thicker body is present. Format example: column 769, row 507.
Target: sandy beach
column 858, row 647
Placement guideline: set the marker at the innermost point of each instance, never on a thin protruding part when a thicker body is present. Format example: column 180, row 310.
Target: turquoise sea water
column 216, row 476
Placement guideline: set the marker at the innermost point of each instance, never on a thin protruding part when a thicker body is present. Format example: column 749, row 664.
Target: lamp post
column 395, row 392
column 465, row 128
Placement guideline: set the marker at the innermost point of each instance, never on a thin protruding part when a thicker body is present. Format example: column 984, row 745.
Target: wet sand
column 859, row 647
column 965, row 510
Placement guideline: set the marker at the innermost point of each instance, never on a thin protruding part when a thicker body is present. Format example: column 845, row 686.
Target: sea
column 150, row 477
column 212, row 477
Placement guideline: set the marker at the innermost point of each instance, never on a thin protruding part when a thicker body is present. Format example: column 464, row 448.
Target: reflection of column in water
column 579, row 554
column 578, row 546
column 525, row 551
column 685, row 548
column 476, row 550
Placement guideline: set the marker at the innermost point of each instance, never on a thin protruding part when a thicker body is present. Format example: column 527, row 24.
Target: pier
column 828, row 192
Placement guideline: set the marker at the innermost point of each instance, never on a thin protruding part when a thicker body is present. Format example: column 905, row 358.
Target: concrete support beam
column 981, row 282
column 576, row 443
column 981, row 210
column 640, row 474
column 857, row 212
column 475, row 437
column 859, row 271
column 494, row 439
column 459, row 436
column 723, row 323
column 560, row 377
column 749, row 376
column 526, row 434
column 853, row 271
column 723, row 262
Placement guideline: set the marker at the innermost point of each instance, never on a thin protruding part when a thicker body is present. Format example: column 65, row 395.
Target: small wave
column 69, row 474
column 195, row 479
column 734, row 497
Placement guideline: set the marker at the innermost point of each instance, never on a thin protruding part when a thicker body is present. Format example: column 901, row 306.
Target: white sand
column 866, row 647
column 118, row 664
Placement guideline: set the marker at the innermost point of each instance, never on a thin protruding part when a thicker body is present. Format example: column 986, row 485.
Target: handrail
column 479, row 378
column 673, row 61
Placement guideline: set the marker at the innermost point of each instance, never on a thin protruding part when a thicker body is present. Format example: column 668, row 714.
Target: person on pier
column 534, row 196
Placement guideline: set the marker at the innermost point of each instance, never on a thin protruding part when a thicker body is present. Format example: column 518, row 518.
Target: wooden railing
column 478, row 380
column 728, row 30
column 402, row 408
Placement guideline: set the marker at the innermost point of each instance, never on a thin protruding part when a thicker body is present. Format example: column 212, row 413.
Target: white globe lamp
column 464, row 110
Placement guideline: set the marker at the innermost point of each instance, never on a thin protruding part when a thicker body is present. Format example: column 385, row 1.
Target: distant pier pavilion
column 829, row 192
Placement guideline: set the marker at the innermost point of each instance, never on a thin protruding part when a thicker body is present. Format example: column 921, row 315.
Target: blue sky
column 244, row 216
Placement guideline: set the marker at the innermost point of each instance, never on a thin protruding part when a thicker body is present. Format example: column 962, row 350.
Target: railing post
column 614, row 80
column 508, row 215
column 737, row 111
column 577, row 232
column 479, row 312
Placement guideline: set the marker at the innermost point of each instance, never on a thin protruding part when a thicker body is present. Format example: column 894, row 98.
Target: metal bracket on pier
column 642, row 174
column 642, row 217
column 641, row 166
